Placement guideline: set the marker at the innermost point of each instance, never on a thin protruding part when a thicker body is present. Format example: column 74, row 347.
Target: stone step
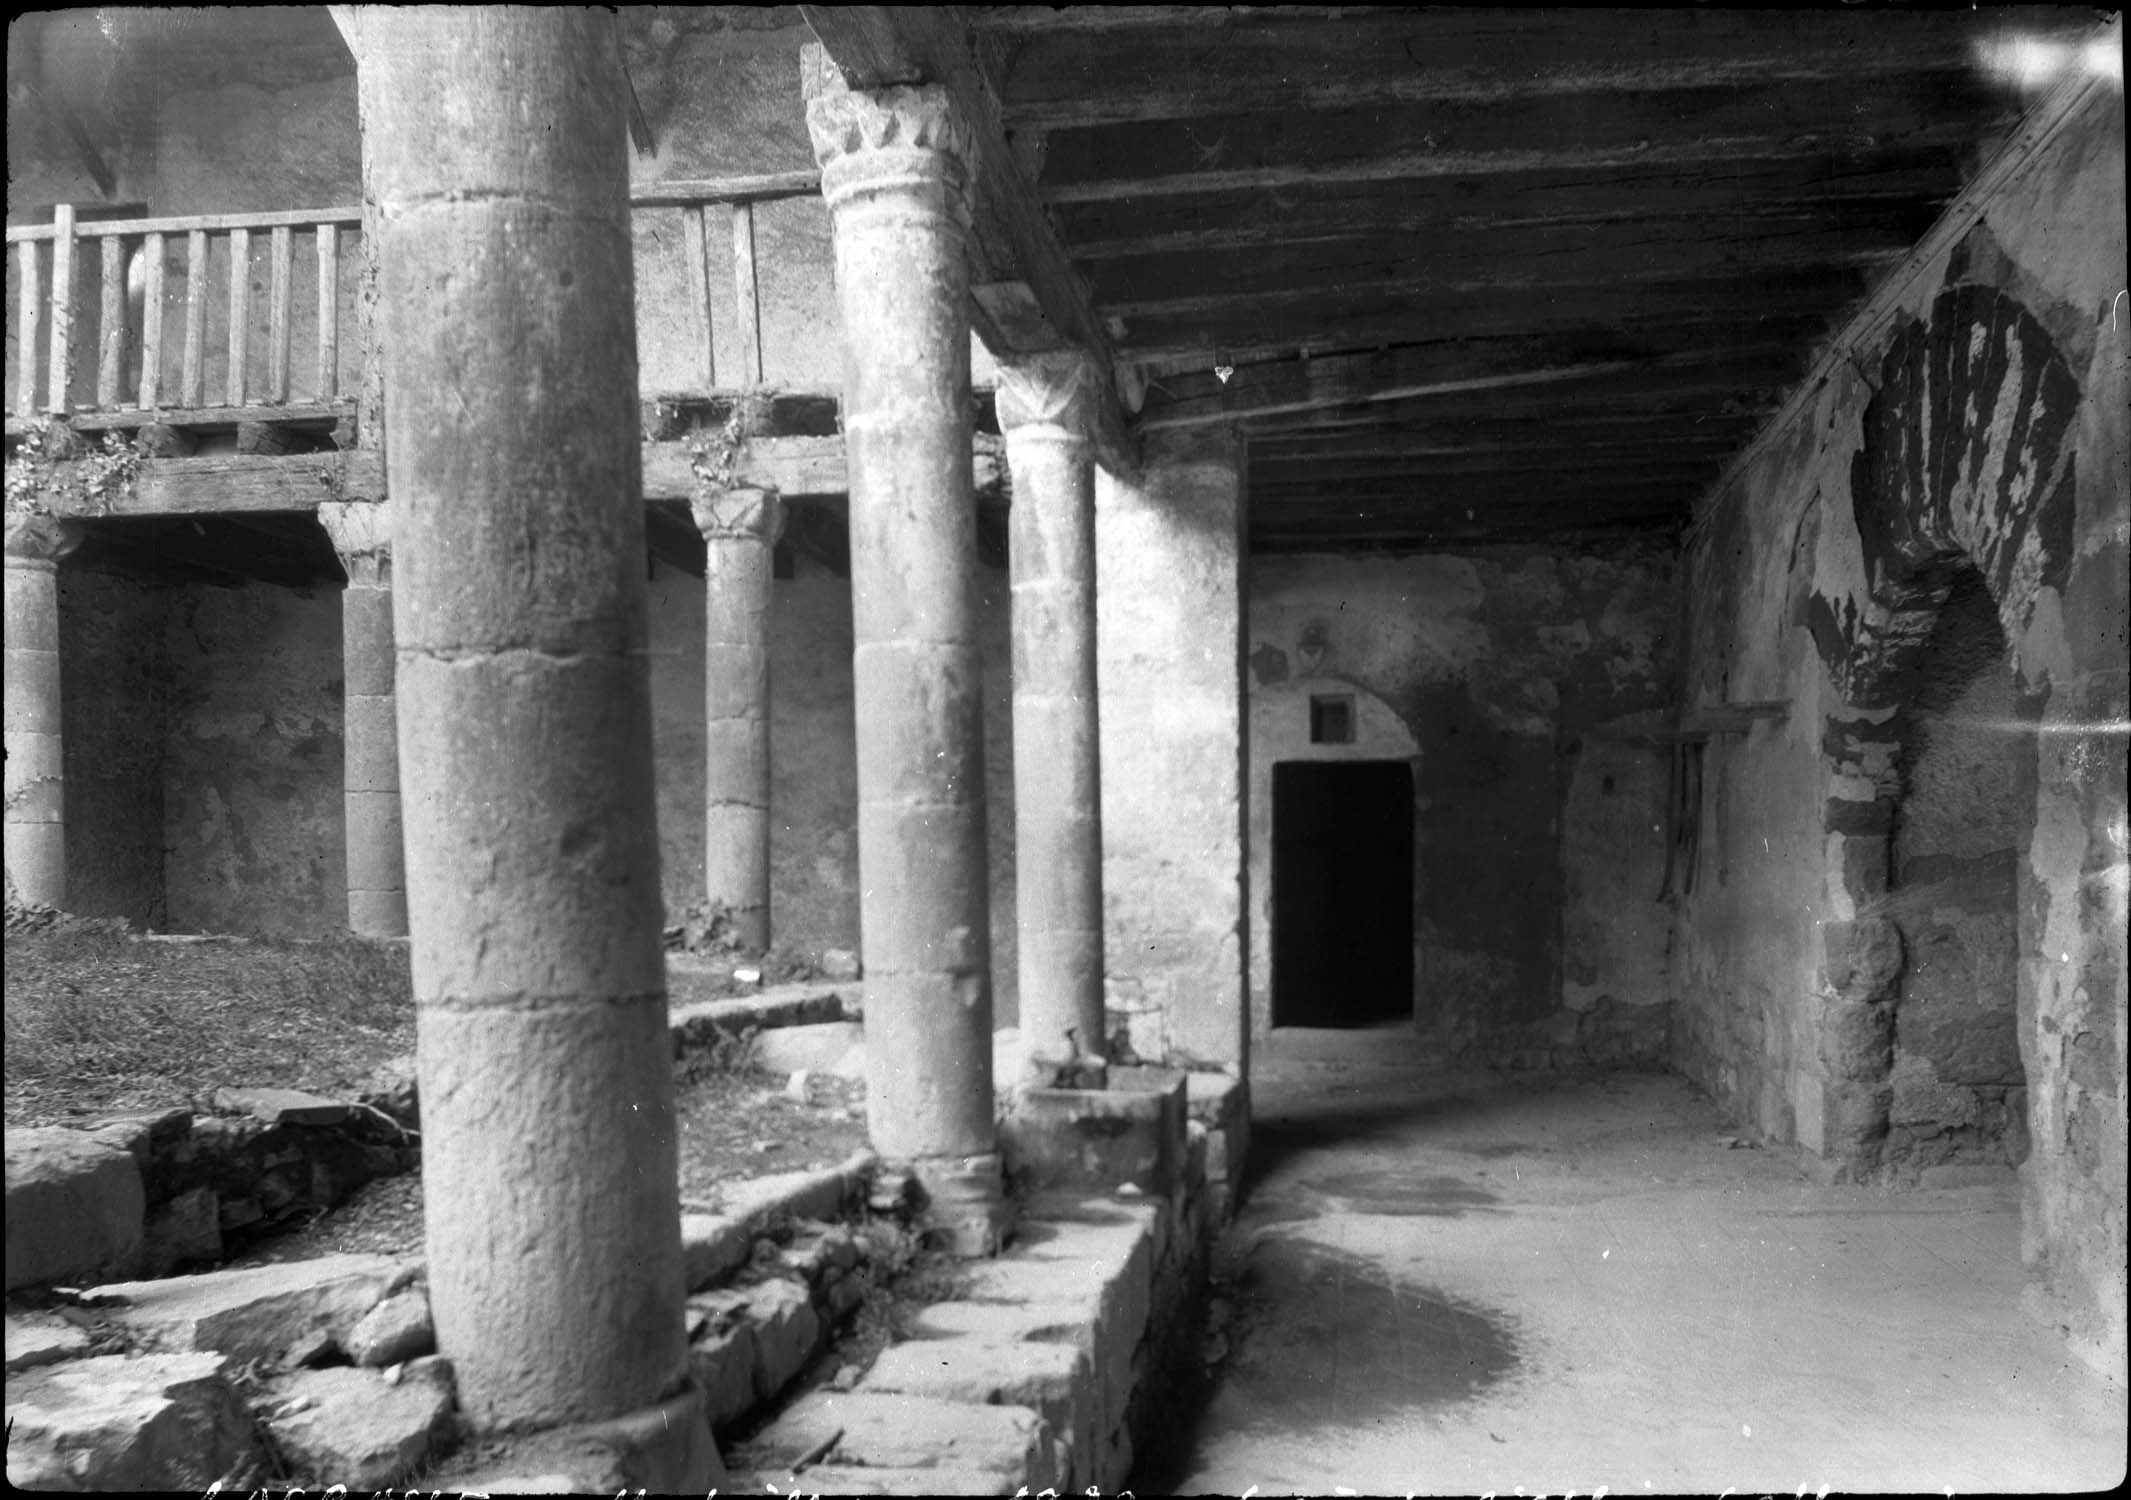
column 1009, row 1445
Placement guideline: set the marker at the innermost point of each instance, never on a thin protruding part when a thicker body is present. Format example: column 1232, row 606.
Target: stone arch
column 1278, row 731
column 1965, row 462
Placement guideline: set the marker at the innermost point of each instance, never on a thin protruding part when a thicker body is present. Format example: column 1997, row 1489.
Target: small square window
column 1331, row 719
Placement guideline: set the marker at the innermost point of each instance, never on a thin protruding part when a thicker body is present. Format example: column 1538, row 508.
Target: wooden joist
column 1076, row 78
column 878, row 46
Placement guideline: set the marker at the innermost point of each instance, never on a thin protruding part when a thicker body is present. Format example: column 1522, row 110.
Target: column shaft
column 377, row 865
column 1057, row 772
column 739, row 528
column 506, row 320
column 895, row 173
column 36, row 826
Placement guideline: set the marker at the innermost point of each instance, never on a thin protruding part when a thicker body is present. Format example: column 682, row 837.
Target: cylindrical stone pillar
column 739, row 528
column 896, row 168
column 36, row 764
column 1045, row 405
column 506, row 316
column 377, row 861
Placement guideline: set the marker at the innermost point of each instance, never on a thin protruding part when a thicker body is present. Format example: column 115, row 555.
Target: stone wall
column 114, row 661
column 252, row 767
column 1539, row 847
column 1818, row 577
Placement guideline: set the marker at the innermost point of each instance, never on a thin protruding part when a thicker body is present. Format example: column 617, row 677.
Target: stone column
column 896, row 171
column 377, row 861
column 36, row 765
column 506, row 319
column 739, row 528
column 1045, row 407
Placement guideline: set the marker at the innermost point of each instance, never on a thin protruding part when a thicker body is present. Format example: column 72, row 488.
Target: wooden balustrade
column 134, row 283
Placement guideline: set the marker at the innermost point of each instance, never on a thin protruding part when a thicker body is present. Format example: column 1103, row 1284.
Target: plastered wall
column 114, row 664
column 1980, row 422
column 1539, row 847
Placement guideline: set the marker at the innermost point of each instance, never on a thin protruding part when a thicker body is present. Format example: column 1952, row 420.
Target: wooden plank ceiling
column 1481, row 274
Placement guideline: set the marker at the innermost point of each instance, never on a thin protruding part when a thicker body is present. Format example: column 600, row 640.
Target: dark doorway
column 1342, row 892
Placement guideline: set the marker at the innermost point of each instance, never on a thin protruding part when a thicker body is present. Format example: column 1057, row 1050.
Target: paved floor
column 1472, row 1284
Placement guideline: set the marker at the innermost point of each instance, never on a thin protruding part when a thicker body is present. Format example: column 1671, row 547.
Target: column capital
column 35, row 538
column 1061, row 389
column 755, row 515
column 870, row 138
column 362, row 534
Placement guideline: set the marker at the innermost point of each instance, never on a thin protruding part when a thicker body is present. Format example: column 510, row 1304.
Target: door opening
column 1342, row 892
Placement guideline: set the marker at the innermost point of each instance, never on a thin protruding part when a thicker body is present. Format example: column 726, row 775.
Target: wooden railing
column 131, row 312
column 133, row 255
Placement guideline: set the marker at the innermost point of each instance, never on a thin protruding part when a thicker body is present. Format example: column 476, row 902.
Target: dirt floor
column 1529, row 1284
column 99, row 1021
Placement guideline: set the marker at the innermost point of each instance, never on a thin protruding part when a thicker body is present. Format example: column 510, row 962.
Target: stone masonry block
column 1069, row 1322
column 74, row 1207
column 1856, row 1041
column 787, row 1331
column 1864, row 958
column 1009, row 1443
column 1054, row 1380
column 155, row 1422
column 257, row 1313
column 723, row 1363
column 1095, row 1139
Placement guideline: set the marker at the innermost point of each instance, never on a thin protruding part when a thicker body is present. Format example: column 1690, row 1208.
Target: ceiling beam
column 1080, row 79
column 1652, row 150
column 1489, row 258
column 1903, row 202
column 1013, row 242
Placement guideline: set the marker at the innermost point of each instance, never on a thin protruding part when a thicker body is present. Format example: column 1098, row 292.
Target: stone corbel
column 362, row 534
column 40, row 540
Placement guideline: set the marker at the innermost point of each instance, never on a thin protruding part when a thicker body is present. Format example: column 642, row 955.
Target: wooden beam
column 1031, row 20
column 1650, row 144
column 1079, row 79
column 241, row 482
column 1743, row 196
column 1746, row 304
column 1533, row 255
column 879, row 46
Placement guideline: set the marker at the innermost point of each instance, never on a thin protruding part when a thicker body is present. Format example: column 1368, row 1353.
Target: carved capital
column 1060, row 390
column 362, row 534
column 39, row 539
column 875, row 138
column 739, row 515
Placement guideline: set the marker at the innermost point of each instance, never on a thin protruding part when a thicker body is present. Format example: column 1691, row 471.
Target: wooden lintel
column 878, row 46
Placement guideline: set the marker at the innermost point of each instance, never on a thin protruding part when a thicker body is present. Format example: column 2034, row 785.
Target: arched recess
column 1965, row 466
column 1280, row 731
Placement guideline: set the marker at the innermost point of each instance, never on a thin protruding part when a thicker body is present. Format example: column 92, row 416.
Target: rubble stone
column 35, row 1339
column 74, row 1206
column 283, row 1106
column 257, row 1313
column 154, row 1422
column 347, row 1426
column 395, row 1330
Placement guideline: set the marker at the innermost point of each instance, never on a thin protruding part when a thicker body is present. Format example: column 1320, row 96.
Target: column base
column 666, row 1449
column 967, row 1212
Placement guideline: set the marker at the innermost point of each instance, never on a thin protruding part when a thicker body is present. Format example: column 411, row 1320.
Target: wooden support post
column 26, row 299
column 277, row 313
column 61, row 370
column 328, row 311
column 111, row 355
column 240, row 311
column 151, row 386
column 192, row 375
column 748, row 291
column 695, row 249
